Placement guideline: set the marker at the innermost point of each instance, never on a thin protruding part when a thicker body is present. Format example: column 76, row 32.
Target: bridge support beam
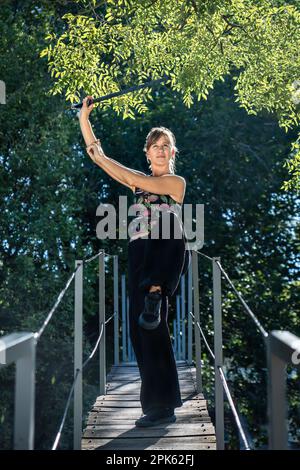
column 116, row 311
column 190, row 309
column 78, row 355
column 102, row 355
column 197, row 319
column 218, row 345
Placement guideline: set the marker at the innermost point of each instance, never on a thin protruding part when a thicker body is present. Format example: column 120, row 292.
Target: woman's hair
column 154, row 135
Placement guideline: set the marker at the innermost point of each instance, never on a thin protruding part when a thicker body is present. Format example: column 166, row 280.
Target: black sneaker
column 149, row 319
column 156, row 417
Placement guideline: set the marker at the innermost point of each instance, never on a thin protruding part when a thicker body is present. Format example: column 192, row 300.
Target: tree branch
column 233, row 25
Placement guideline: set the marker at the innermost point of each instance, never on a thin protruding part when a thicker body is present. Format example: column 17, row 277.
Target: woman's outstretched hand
column 85, row 109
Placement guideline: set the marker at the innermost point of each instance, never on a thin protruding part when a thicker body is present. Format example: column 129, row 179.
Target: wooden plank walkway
column 110, row 424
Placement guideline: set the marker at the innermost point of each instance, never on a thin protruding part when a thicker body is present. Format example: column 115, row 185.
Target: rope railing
column 233, row 409
column 204, row 256
column 58, row 436
column 226, row 389
column 239, row 295
column 39, row 333
column 55, row 306
column 246, row 307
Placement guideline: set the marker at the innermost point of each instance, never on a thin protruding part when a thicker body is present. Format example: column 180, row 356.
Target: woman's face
column 160, row 154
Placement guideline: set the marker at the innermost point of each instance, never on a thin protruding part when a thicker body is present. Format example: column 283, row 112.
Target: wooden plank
column 133, row 411
column 136, row 397
column 187, row 412
column 202, row 443
column 135, row 376
column 134, row 388
column 186, row 409
column 123, row 422
column 134, row 415
column 122, row 375
column 125, row 431
column 134, row 364
column 130, row 388
column 126, row 397
column 128, row 378
column 131, row 421
column 137, row 404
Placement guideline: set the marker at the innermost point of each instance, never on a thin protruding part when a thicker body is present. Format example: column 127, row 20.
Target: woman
column 155, row 265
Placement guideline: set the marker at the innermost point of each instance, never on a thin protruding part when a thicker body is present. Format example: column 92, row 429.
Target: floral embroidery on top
column 155, row 204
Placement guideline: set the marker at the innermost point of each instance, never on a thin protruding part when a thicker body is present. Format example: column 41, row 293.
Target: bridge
column 110, row 423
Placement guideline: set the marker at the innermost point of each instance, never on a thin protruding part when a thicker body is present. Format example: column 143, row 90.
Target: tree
column 112, row 44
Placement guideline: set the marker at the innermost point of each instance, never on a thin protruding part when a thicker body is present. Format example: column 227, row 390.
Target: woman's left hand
column 93, row 151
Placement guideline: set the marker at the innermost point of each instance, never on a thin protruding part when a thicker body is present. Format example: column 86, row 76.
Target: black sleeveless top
column 150, row 208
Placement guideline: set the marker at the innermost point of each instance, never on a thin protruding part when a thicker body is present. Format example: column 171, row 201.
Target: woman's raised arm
column 89, row 138
column 166, row 184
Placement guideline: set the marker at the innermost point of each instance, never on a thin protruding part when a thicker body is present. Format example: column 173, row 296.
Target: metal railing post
column 190, row 309
column 124, row 323
column 276, row 402
column 102, row 355
column 175, row 339
column 279, row 353
column 178, row 321
column 197, row 319
column 78, row 285
column 130, row 347
column 21, row 349
column 183, row 316
column 127, row 327
column 218, row 346
column 25, row 398
column 116, row 311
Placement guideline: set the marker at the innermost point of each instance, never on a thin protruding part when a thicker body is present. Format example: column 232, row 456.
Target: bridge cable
column 205, row 256
column 62, row 293
column 58, row 436
column 246, row 307
column 226, row 389
column 239, row 295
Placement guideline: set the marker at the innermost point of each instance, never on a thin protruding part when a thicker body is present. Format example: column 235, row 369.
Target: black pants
column 155, row 262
